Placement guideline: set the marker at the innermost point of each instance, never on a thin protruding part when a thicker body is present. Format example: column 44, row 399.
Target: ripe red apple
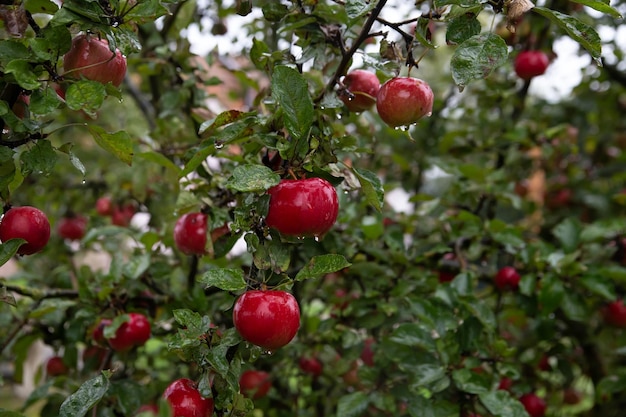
column 28, row 223
column 505, row 384
column 104, row 206
column 615, row 313
column 190, row 233
column 122, row 215
column 445, row 274
column 558, row 198
column 134, row 332
column 544, row 363
column 311, row 365
column 529, row 64
column 72, row 227
column 97, row 334
column 91, row 58
column 21, row 106
column 269, row 319
column 367, row 354
column 186, row 401
column 255, row 384
column 300, row 208
column 55, row 366
column 402, row 101
column 507, row 278
column 362, row 88
column 534, row 405
column 149, row 408
column 93, row 356
column 572, row 396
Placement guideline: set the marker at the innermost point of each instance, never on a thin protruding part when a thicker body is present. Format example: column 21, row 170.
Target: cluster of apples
column 401, row 101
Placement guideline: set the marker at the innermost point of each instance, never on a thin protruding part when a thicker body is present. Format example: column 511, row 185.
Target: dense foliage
column 400, row 310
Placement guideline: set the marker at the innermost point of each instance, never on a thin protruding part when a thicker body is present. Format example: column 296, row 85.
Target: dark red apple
column 615, row 314
column 367, row 354
column 300, row 208
column 534, row 405
column 104, row 206
column 362, row 88
column 134, row 332
column 190, row 233
column 402, row 101
column 97, row 334
column 269, row 319
column 529, row 64
column 91, row 58
column 186, row 401
column 72, row 227
column 255, row 384
column 507, row 278
column 20, row 108
column 505, row 384
column 55, row 366
column 311, row 365
column 122, row 215
column 28, row 223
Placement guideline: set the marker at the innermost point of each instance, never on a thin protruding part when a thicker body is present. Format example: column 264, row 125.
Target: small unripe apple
column 28, row 223
column 255, row 384
column 362, row 88
column 535, row 406
column 91, row 58
column 507, row 278
column 302, row 208
column 529, row 64
column 402, row 101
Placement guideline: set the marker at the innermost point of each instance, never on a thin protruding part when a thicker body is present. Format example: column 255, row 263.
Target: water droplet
column 84, row 181
column 268, row 352
column 323, row 107
column 429, row 114
column 219, row 145
column 345, row 191
column 300, row 237
column 317, row 238
column 339, row 116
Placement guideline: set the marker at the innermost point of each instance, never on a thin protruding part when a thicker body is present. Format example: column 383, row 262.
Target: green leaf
column 13, row 50
column 160, row 159
column 472, row 382
column 9, row 248
column 5, row 413
column 187, row 318
column 41, row 158
column 358, row 8
column 251, row 178
column 428, row 407
column 53, row 41
column 477, row 57
column 291, row 92
column 422, row 27
column 85, row 95
column 44, row 101
column 372, row 187
column 353, row 404
column 7, row 297
column 600, row 6
column 577, row 30
column 602, row 230
column 224, row 278
column 119, row 144
column 222, row 119
column 551, row 293
column 23, row 73
column 501, row 404
column 600, row 285
column 127, row 394
column 41, row 6
column 199, row 156
column 137, row 265
column 462, row 28
column 321, row 265
column 568, row 233
column 111, row 329
column 88, row 395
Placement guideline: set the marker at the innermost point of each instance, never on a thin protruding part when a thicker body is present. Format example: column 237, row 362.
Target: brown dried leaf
column 15, row 20
column 515, row 11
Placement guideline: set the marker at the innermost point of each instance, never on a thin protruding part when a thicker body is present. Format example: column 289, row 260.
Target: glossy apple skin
column 255, row 384
column 402, row 101
column 28, row 223
column 72, row 228
column 311, row 365
column 507, row 278
column 269, row 319
column 534, row 405
column 148, row 408
column 364, row 85
column 615, row 314
column 134, row 332
column 529, row 64
column 91, row 58
column 186, row 401
column 302, row 208
column 55, row 366
column 190, row 233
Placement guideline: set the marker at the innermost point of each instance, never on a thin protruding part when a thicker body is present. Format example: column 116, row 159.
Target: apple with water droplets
column 402, row 101
column 28, row 223
column 267, row 318
column 302, row 208
column 186, row 401
column 91, row 58
column 361, row 88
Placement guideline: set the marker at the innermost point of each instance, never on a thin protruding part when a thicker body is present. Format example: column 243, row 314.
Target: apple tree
column 194, row 234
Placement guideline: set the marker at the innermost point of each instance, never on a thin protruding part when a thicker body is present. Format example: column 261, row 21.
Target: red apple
column 149, row 408
column 21, row 106
column 186, row 401
column 190, row 233
column 255, row 384
column 28, row 223
column 615, row 313
column 97, row 334
column 507, row 278
column 362, row 88
column 93, row 356
column 72, row 227
column 91, row 58
column 572, row 396
column 529, row 64
column 104, row 206
column 269, row 319
column 367, row 354
column 558, row 198
column 402, row 101
column 311, row 365
column 534, row 405
column 300, row 208
column 505, row 384
column 544, row 363
column 134, row 332
column 55, row 366
column 122, row 215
